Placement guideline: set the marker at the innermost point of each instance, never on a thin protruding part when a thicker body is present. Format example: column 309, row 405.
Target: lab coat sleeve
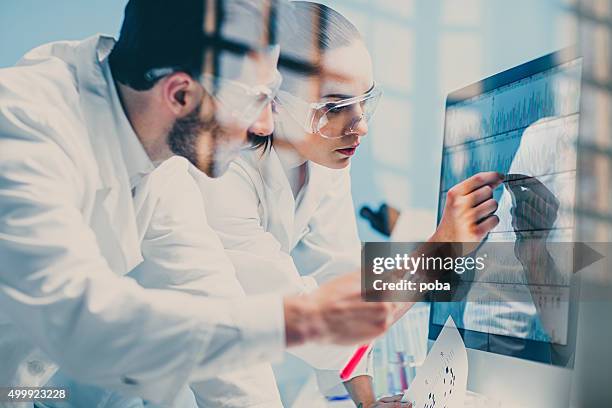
column 101, row 328
column 182, row 252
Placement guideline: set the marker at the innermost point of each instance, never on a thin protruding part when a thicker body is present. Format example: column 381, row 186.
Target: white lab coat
column 277, row 247
column 181, row 252
column 68, row 237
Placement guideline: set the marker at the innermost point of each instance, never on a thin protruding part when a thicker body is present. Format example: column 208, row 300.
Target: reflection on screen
column 528, row 130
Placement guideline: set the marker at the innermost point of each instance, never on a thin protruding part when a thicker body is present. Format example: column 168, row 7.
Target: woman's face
column 347, row 73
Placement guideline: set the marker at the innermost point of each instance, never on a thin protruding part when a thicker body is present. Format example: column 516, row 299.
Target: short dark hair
column 170, row 34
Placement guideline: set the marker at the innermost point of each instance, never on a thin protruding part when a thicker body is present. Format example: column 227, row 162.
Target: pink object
column 354, row 361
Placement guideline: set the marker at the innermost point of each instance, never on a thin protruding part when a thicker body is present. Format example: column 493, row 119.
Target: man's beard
column 195, row 138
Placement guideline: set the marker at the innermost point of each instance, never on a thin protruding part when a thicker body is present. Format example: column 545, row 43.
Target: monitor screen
column 522, row 123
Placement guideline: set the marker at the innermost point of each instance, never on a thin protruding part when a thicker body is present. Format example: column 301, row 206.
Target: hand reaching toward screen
column 468, row 212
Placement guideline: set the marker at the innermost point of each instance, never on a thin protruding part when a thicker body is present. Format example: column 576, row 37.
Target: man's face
column 214, row 133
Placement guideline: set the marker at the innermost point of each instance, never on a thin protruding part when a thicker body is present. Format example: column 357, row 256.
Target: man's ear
column 181, row 93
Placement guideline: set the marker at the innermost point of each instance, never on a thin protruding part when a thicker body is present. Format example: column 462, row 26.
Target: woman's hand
column 389, row 402
column 362, row 393
column 468, row 211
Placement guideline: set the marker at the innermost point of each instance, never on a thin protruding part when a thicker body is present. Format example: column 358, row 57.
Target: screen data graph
column 527, row 128
column 550, row 94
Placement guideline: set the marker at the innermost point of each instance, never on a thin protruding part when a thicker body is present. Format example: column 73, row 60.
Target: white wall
column 25, row 24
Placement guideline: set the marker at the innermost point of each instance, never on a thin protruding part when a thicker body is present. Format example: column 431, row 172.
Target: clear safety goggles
column 331, row 120
column 243, row 103
column 239, row 102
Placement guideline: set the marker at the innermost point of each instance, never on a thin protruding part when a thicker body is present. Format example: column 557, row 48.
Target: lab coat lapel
column 278, row 198
column 115, row 224
column 317, row 185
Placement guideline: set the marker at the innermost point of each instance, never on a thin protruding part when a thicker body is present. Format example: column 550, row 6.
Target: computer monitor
column 523, row 122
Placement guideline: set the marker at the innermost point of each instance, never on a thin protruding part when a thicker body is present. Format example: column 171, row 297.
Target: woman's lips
column 348, row 151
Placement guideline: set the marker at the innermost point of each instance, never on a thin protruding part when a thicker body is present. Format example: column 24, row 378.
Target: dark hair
column 171, row 34
column 260, row 142
column 331, row 31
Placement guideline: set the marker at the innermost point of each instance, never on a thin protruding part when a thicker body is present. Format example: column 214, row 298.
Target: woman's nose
column 360, row 126
column 264, row 125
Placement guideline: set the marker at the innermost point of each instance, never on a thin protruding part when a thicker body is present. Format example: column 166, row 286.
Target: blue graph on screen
column 528, row 127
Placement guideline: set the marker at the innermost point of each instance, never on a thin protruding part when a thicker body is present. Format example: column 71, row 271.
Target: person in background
column 284, row 209
column 82, row 123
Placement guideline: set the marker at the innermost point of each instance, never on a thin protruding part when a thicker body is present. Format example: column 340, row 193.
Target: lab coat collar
column 271, row 169
column 274, row 177
column 318, row 182
column 277, row 190
column 105, row 129
column 135, row 157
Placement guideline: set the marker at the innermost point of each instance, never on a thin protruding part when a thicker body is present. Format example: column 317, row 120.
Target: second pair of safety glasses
column 331, row 120
column 240, row 103
column 243, row 103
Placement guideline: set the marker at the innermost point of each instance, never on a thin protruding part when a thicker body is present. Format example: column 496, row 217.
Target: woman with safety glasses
column 284, row 209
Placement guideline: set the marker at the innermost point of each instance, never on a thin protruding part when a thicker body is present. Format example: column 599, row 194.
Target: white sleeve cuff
column 261, row 322
column 328, row 380
column 364, row 367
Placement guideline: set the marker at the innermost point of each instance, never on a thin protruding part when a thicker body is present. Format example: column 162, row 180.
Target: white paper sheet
column 442, row 379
